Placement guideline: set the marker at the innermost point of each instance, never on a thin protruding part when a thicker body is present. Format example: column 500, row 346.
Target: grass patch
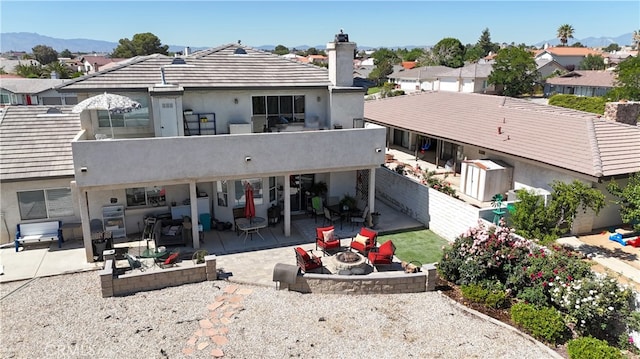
column 422, row 245
column 373, row 90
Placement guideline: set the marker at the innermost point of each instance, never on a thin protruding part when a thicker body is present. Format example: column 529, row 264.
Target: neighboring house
column 21, row 91
column 471, row 78
column 9, row 66
column 317, row 59
column 581, row 83
column 36, row 170
column 261, row 119
column 547, row 67
column 418, row 79
column 538, row 143
column 94, row 63
column 408, row 65
column 616, row 57
column 568, row 57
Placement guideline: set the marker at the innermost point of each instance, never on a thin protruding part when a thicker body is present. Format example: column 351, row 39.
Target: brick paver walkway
column 212, row 334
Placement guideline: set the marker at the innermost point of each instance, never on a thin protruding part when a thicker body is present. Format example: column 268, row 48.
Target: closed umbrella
column 249, row 207
column 109, row 102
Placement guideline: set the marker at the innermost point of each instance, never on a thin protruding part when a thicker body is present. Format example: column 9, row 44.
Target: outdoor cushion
column 303, row 254
column 361, row 239
column 319, row 231
column 172, row 258
column 328, row 235
column 386, row 249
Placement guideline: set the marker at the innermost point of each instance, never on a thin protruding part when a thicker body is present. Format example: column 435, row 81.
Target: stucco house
column 581, row 83
column 215, row 120
column 471, row 78
column 22, row 91
column 568, row 57
column 36, row 170
column 536, row 144
column 418, row 79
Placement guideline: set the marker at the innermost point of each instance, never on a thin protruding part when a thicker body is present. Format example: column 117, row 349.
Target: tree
column 565, row 32
column 627, row 80
column 628, row 199
column 140, row 45
column 281, row 50
column 448, row 52
column 515, row 70
column 380, row 72
column 44, row 54
column 592, row 62
column 312, row 51
column 62, row 70
column 410, row 55
column 485, row 44
column 385, row 55
column 66, row 53
column 32, row 71
column 635, row 39
column 612, row 47
column 473, row 53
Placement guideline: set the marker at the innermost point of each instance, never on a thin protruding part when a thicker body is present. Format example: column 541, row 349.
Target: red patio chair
column 307, row 260
column 364, row 241
column 382, row 255
column 326, row 239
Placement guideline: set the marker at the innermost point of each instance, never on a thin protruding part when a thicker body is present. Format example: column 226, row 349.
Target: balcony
column 122, row 162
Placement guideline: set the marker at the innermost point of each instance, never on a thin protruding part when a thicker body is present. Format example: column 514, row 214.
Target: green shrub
column 545, row 323
column 491, row 297
column 592, row 348
column 589, row 104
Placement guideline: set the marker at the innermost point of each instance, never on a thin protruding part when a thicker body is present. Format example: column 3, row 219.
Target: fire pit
column 349, row 263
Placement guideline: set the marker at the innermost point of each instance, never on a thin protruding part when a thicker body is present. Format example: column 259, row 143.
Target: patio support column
column 86, row 226
column 287, row 205
column 193, row 197
column 372, row 190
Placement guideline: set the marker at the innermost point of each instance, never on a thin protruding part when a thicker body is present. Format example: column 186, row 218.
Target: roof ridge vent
column 240, row 51
column 178, row 61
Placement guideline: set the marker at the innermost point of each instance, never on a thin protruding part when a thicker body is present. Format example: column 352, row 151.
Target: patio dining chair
column 362, row 219
column 330, row 217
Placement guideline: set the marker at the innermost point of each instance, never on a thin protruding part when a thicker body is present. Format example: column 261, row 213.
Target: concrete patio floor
column 249, row 261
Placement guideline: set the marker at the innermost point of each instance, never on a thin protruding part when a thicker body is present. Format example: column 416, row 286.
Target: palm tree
column 565, row 32
column 636, row 39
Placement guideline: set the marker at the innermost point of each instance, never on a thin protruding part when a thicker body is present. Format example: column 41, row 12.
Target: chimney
column 341, row 53
column 623, row 111
column 187, row 51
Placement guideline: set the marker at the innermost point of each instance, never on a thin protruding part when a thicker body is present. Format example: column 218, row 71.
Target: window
column 136, row 118
column 291, row 108
column 222, row 193
column 42, row 204
column 239, row 199
column 145, row 196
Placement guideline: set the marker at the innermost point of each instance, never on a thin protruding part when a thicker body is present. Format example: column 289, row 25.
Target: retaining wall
column 372, row 283
column 138, row 281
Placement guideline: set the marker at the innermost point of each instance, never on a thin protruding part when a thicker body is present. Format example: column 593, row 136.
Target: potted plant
column 348, row 203
column 375, row 219
column 318, row 188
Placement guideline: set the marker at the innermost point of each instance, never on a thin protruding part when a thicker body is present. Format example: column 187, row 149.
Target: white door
column 471, row 188
column 168, row 117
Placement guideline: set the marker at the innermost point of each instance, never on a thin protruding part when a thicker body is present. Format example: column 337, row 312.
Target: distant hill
column 25, row 41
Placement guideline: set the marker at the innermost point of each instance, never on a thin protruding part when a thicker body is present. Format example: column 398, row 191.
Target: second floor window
column 290, row 107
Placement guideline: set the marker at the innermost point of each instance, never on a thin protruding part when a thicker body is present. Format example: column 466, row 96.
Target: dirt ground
column 630, row 255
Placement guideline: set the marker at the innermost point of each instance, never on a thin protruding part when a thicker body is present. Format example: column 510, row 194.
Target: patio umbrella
column 249, row 207
column 111, row 103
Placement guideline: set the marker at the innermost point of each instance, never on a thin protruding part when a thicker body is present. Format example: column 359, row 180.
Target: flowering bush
column 442, row 185
column 483, row 254
column 594, row 305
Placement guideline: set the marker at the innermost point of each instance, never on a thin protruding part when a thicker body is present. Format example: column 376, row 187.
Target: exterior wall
column 374, row 283
column 450, row 217
column 468, row 86
column 11, row 212
column 162, row 160
column 430, row 85
column 344, row 107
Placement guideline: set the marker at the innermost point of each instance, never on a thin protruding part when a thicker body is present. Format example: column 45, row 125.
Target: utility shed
column 482, row 179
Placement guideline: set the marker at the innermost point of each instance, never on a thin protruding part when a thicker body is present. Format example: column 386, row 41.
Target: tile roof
column 420, row 73
column 569, row 51
column 577, row 141
column 29, row 86
column 214, row 68
column 36, row 145
column 470, row 71
column 591, row 78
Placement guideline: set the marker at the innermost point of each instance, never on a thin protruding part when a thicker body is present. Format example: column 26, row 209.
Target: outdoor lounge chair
column 364, row 241
column 326, row 239
column 307, row 260
column 382, row 255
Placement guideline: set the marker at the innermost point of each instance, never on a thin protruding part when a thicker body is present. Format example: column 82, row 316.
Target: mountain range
column 25, row 41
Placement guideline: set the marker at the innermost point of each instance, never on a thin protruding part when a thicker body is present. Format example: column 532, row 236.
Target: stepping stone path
column 212, row 332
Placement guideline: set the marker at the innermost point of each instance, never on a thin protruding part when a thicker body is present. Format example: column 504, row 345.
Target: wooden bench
column 39, row 232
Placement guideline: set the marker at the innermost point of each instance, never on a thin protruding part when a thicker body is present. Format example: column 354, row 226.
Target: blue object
column 205, row 221
column 617, row 237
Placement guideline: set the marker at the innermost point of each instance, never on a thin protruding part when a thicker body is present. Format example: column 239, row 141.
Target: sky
column 313, row 23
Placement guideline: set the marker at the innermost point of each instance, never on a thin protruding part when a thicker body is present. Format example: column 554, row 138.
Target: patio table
column 249, row 227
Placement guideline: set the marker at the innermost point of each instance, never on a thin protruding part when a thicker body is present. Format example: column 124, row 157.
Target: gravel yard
column 66, row 317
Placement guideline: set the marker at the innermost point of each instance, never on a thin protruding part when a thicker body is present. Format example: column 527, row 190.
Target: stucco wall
column 11, row 212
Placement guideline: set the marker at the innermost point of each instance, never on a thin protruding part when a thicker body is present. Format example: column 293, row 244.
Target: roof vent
column 239, row 51
column 178, row 61
column 54, row 111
